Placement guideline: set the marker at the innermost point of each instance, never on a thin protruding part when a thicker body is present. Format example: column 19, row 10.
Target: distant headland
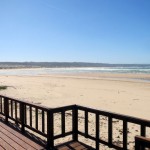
column 15, row 65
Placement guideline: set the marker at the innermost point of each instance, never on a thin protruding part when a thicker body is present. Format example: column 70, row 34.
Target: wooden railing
column 110, row 116
column 141, row 143
column 17, row 111
column 41, row 120
column 28, row 115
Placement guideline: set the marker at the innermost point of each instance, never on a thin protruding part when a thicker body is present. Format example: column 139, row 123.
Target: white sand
column 117, row 93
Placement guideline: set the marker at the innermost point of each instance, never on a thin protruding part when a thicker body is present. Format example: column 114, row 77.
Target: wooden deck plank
column 21, row 137
column 5, row 145
column 12, row 143
column 74, row 145
column 77, row 146
column 1, row 148
column 81, row 147
column 16, row 139
column 63, row 148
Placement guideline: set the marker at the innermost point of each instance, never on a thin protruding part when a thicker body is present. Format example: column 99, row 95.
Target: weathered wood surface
column 74, row 146
column 10, row 139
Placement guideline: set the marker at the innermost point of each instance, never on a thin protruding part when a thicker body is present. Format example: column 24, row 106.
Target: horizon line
column 74, row 62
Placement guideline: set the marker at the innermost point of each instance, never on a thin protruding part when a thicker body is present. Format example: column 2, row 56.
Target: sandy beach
column 126, row 94
column 120, row 93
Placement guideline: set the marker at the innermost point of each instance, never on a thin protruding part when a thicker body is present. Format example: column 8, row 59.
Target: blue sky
column 105, row 31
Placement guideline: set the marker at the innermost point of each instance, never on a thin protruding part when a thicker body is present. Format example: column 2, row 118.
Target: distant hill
column 11, row 65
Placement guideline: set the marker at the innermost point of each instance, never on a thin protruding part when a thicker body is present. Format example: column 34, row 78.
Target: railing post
column 75, row 123
column 6, row 109
column 143, row 131
column 22, row 116
column 63, row 122
column 97, row 131
column 125, row 132
column 0, row 104
column 86, row 124
column 137, row 145
column 110, row 131
column 50, row 129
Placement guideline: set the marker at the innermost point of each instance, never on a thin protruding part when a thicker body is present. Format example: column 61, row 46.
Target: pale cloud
column 46, row 3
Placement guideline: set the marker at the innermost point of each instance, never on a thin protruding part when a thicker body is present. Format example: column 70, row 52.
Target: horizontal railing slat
column 62, row 135
column 35, row 130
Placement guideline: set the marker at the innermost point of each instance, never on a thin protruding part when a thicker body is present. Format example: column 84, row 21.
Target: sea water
column 48, row 71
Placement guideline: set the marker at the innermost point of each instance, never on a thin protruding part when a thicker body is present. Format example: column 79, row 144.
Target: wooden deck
column 73, row 146
column 11, row 139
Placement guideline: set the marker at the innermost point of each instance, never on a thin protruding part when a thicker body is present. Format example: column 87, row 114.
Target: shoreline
column 89, row 75
column 90, row 71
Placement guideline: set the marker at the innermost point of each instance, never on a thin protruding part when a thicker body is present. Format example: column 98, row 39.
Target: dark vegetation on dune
column 3, row 87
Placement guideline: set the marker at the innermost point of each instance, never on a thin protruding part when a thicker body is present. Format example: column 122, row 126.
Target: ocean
column 47, row 71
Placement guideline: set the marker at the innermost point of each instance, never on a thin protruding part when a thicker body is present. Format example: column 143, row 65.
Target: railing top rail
column 63, row 108
column 117, row 116
column 27, row 103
